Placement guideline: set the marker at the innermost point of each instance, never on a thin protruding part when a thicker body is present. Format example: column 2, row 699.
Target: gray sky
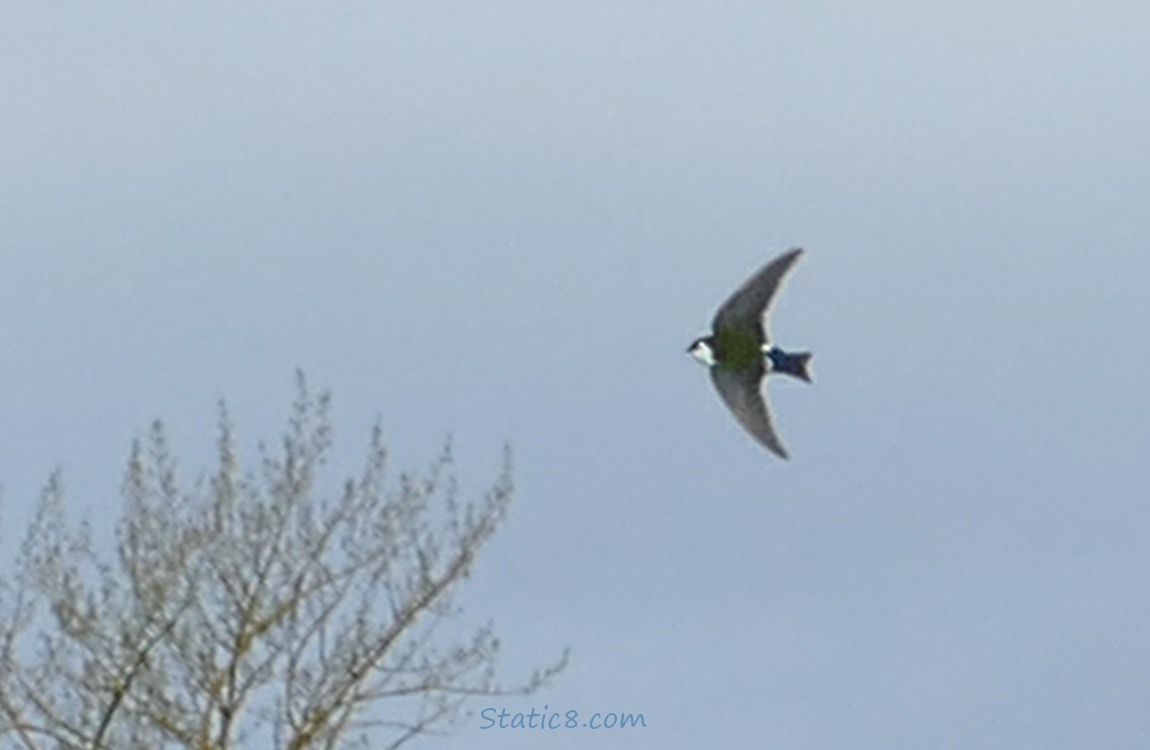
column 505, row 221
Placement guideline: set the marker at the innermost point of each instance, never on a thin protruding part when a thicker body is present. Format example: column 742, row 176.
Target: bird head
column 701, row 350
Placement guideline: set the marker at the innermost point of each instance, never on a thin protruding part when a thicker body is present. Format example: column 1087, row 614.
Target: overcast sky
column 505, row 221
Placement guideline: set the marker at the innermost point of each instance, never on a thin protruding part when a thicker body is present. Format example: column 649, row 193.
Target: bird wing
column 748, row 305
column 741, row 392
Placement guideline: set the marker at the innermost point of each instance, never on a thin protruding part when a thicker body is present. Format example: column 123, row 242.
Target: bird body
column 737, row 348
column 740, row 355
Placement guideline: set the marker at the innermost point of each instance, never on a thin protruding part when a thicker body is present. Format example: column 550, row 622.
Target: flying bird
column 740, row 354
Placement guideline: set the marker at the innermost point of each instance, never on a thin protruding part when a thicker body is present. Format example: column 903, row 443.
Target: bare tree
column 250, row 609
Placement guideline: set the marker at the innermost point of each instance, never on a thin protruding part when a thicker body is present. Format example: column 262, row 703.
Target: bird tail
column 797, row 365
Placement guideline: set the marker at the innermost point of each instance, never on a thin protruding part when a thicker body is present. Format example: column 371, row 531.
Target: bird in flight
column 740, row 354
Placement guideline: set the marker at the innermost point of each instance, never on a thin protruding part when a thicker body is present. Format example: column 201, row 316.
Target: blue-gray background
column 505, row 221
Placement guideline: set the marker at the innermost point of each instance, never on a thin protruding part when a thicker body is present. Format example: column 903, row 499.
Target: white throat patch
column 702, row 353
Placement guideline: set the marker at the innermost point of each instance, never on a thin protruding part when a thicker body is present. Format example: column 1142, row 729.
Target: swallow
column 740, row 355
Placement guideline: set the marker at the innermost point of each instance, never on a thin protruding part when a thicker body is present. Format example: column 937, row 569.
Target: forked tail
column 796, row 364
